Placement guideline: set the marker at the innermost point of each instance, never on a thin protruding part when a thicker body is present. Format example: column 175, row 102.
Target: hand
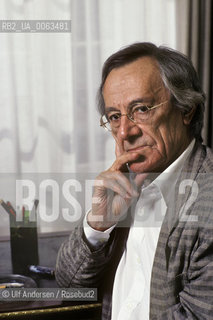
column 114, row 192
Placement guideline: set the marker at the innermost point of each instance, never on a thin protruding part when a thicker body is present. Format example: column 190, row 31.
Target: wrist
column 98, row 223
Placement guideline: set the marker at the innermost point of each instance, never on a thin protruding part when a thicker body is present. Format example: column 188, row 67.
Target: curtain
column 195, row 25
column 99, row 28
column 49, row 123
column 36, row 120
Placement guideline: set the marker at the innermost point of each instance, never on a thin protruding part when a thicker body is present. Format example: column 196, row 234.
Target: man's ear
column 187, row 117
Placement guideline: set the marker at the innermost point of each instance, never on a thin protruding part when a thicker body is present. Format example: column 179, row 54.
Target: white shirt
column 131, row 290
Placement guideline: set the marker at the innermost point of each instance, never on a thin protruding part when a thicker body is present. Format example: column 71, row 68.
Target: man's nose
column 127, row 128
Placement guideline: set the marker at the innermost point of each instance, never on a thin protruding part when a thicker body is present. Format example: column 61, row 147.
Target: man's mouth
column 137, row 148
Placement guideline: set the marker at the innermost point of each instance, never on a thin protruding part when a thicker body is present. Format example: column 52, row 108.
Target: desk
column 39, row 310
column 75, row 312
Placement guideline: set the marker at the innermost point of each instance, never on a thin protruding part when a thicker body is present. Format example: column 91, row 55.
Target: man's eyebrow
column 139, row 100
column 132, row 103
column 109, row 109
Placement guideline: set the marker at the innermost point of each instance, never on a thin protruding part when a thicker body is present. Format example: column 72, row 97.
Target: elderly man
column 147, row 242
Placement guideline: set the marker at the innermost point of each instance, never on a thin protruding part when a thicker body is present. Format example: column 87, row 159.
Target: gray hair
column 177, row 73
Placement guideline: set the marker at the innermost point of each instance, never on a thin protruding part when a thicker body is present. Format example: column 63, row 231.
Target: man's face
column 160, row 139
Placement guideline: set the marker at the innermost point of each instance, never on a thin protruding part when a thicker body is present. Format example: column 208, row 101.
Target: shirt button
column 129, row 305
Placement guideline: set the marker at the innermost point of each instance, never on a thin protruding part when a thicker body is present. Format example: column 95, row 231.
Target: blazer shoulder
column 208, row 162
column 200, row 160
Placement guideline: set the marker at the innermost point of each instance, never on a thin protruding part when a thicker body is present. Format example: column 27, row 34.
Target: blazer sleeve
column 196, row 297
column 79, row 265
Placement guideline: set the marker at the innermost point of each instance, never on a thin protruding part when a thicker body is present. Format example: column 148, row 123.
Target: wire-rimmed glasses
column 139, row 113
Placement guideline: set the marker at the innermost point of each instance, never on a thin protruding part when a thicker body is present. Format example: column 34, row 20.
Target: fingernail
column 135, row 194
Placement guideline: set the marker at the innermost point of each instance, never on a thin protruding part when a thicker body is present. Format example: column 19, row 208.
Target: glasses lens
column 105, row 123
column 140, row 113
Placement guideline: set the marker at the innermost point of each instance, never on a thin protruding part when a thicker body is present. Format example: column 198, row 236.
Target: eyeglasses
column 139, row 113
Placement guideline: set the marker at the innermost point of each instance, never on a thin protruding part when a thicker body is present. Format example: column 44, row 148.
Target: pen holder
column 23, row 244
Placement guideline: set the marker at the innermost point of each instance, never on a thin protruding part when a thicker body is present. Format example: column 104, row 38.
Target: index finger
column 117, row 150
column 120, row 163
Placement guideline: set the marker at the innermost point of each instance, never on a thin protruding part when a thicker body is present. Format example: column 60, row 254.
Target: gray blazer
column 182, row 273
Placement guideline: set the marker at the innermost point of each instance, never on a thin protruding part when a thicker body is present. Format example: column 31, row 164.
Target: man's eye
column 114, row 117
column 140, row 109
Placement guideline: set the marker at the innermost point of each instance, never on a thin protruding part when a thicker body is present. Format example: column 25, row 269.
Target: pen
column 26, row 216
column 36, row 201
column 23, row 212
column 12, row 210
column 32, row 216
column 7, row 208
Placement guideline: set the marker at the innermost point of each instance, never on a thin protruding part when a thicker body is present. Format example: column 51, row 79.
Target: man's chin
column 139, row 165
column 142, row 167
